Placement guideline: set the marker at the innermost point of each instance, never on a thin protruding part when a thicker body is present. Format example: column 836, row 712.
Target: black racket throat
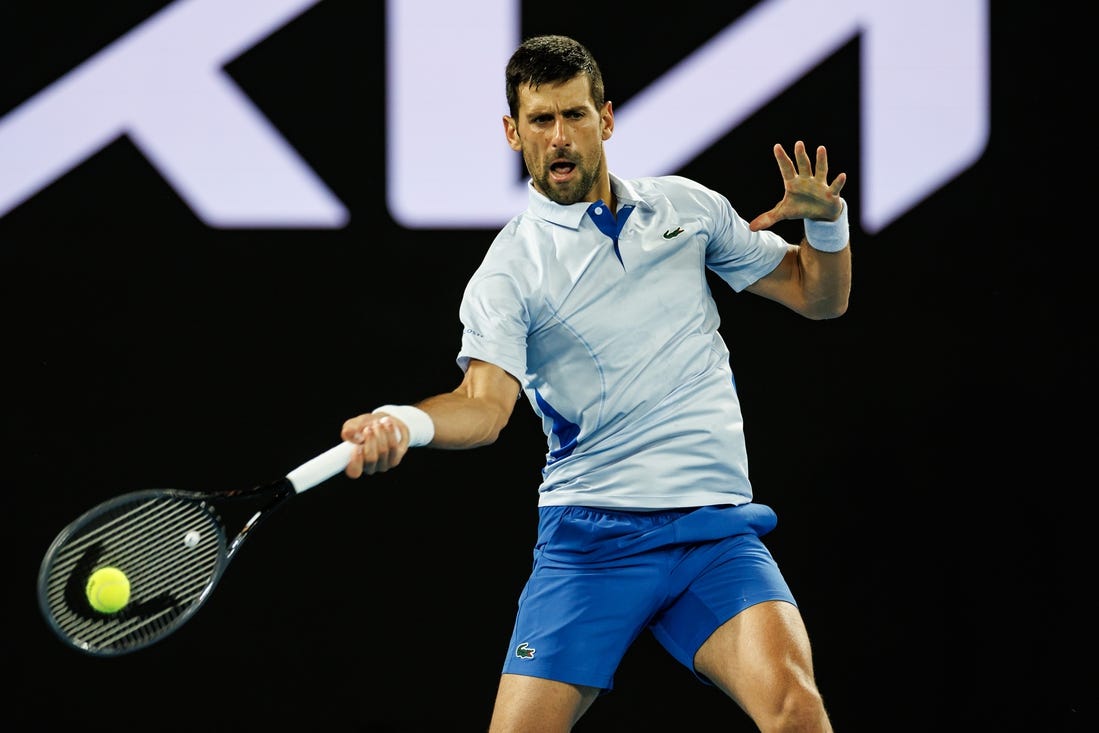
column 277, row 491
column 276, row 494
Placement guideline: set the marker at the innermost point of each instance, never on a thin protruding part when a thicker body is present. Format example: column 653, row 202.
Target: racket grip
column 321, row 468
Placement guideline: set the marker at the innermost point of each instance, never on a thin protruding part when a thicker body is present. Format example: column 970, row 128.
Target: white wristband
column 828, row 236
column 420, row 427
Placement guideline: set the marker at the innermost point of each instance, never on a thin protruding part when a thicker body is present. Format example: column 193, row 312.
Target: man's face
column 560, row 134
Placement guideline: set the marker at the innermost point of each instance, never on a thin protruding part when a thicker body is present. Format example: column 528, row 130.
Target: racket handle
column 321, row 468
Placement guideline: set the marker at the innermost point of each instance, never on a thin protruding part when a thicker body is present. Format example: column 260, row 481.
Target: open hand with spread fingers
column 807, row 194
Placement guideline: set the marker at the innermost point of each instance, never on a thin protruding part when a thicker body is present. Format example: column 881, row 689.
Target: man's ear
column 512, row 134
column 607, row 117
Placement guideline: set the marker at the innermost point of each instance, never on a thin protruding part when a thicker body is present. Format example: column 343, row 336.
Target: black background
column 924, row 453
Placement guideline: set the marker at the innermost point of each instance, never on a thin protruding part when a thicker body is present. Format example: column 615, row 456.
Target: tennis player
column 594, row 303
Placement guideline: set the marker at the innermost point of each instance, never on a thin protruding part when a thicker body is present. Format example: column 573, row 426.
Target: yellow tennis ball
column 108, row 590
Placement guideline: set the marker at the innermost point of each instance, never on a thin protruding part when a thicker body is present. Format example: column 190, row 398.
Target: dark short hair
column 551, row 59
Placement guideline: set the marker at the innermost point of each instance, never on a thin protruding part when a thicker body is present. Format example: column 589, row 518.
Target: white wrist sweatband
column 828, row 236
column 420, row 428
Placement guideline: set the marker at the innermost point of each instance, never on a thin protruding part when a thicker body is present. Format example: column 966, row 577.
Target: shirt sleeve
column 735, row 253
column 494, row 321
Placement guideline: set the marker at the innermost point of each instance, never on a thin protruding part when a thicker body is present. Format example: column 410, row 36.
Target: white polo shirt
column 609, row 325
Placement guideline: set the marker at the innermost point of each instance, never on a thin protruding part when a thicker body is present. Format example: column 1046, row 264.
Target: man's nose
column 560, row 133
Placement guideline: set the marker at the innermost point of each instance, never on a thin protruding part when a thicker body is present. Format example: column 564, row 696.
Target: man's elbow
column 824, row 310
column 491, row 428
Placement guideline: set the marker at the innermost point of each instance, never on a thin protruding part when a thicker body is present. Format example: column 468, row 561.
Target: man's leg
column 533, row 705
column 761, row 658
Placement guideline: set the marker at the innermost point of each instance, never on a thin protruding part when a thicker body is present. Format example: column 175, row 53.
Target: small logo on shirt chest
column 673, row 233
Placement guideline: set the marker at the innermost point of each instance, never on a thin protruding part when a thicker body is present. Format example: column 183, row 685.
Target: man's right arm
column 476, row 411
column 470, row 416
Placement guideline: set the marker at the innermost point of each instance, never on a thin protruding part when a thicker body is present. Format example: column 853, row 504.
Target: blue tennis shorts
column 601, row 577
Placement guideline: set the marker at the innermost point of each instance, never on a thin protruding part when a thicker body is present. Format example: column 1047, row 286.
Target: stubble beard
column 573, row 191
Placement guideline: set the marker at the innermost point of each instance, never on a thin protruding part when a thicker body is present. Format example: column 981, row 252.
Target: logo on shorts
column 523, row 651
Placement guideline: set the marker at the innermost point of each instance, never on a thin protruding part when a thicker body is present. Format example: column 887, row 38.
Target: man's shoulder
column 679, row 191
column 676, row 181
column 523, row 233
column 665, row 184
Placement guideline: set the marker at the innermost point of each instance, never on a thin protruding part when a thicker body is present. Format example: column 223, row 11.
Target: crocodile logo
column 523, row 651
column 670, row 234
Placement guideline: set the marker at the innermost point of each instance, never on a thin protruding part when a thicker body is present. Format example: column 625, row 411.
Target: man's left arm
column 814, row 278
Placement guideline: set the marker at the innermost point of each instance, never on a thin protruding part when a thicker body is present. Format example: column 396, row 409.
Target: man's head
column 551, row 60
column 559, row 118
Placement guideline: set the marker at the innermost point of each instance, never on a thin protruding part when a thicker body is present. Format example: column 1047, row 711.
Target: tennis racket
column 172, row 545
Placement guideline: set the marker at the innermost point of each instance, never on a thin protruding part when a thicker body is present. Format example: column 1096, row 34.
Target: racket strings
column 171, row 548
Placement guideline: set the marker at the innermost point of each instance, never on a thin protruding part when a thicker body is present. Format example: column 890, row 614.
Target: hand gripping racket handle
column 321, row 468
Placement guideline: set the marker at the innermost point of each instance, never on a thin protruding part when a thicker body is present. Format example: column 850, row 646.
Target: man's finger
column 822, row 164
column 805, row 168
column 785, row 165
column 763, row 221
column 837, row 185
